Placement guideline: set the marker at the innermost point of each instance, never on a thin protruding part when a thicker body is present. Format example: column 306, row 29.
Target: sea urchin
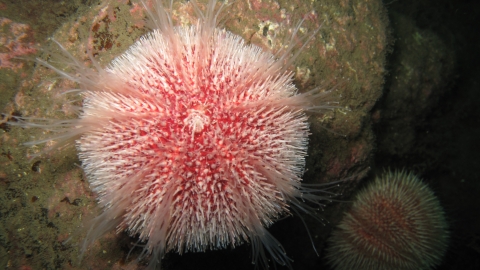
column 395, row 223
column 192, row 139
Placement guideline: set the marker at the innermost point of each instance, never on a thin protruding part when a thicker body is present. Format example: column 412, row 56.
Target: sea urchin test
column 192, row 139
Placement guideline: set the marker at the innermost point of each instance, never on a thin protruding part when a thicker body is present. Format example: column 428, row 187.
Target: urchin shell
column 395, row 223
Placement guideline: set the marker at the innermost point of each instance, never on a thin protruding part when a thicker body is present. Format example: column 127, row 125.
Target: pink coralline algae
column 15, row 41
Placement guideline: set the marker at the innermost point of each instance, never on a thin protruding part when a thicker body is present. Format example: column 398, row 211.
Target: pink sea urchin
column 192, row 139
column 394, row 223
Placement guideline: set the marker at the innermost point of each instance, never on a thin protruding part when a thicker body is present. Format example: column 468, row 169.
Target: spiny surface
column 395, row 223
column 196, row 145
